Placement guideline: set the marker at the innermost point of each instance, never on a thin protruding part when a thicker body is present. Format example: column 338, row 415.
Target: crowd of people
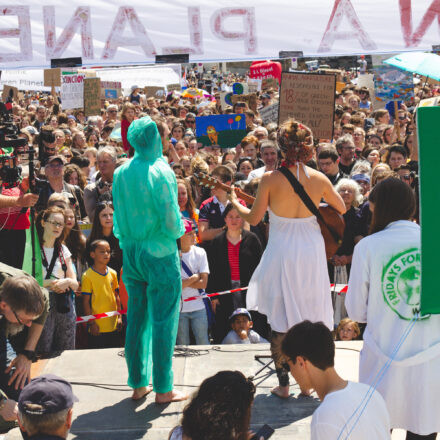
column 223, row 242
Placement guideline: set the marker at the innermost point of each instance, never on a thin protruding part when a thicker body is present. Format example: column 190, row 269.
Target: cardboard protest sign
column 111, row 89
column 72, row 90
column 92, row 96
column 269, row 114
column 52, row 77
column 254, row 85
column 392, row 84
column 310, row 99
column 250, row 99
column 174, row 88
column 225, row 131
column 9, row 91
column 154, row 92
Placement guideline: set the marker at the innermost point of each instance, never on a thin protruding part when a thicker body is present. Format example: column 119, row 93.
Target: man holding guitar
column 291, row 283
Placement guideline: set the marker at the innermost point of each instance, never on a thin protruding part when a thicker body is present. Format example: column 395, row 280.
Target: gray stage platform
column 105, row 410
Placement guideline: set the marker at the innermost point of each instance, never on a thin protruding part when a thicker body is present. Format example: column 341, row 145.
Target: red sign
column 266, row 69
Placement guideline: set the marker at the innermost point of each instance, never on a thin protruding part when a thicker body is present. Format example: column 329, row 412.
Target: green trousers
column 154, row 288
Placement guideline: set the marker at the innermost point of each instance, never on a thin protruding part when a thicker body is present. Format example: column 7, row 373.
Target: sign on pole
column 92, row 96
column 72, row 90
column 309, row 98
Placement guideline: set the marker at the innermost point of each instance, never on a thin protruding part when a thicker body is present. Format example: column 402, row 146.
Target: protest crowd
column 81, row 258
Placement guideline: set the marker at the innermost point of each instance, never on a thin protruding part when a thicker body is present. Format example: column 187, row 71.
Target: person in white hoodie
column 384, row 292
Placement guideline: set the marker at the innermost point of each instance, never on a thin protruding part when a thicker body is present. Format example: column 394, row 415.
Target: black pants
column 12, row 247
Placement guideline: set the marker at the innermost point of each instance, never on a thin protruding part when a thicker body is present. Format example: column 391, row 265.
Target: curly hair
column 220, row 409
column 72, row 168
column 295, row 141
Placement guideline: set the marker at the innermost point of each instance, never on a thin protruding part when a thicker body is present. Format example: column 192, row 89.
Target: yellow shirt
column 101, row 288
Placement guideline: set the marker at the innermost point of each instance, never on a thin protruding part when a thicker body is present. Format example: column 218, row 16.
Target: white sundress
column 291, row 283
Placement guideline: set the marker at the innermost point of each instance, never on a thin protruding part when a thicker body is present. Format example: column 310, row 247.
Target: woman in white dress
column 291, row 283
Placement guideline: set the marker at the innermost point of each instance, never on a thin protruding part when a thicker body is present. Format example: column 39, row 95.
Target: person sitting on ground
column 221, row 408
column 45, row 408
column 348, row 330
column 242, row 333
column 310, row 353
column 100, row 294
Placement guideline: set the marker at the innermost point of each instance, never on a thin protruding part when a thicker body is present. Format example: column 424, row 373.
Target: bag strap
column 299, row 189
column 190, row 274
column 49, row 269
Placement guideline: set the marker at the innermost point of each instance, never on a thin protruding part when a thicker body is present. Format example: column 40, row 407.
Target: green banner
column 428, row 119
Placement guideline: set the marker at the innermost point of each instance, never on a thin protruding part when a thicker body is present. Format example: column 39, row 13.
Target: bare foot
column 172, row 396
column 140, row 393
column 282, row 392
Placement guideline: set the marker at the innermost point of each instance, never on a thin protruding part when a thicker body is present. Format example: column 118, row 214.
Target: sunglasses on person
column 190, row 121
column 405, row 177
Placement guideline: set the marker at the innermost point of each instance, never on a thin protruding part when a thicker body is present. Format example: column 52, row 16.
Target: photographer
column 54, row 171
column 13, row 223
column 106, row 162
column 46, row 144
column 22, row 304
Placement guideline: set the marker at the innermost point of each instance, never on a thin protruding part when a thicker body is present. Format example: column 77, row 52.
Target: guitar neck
column 240, row 194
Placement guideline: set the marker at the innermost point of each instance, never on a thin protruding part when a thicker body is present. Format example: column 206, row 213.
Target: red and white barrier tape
column 339, row 288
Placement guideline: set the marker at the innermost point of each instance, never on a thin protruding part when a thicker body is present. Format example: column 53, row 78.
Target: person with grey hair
column 111, row 114
column 45, row 408
column 346, row 149
column 269, row 154
column 106, row 163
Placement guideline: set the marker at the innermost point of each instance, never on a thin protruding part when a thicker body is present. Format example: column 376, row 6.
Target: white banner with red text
column 116, row 32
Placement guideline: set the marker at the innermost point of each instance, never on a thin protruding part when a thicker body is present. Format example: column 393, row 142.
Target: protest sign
column 240, row 88
column 9, row 91
column 92, row 96
column 154, row 92
column 429, row 102
column 254, row 85
column 72, row 90
column 392, row 84
column 52, row 77
column 265, row 70
column 226, row 100
column 269, row 114
column 174, row 87
column 250, row 100
column 310, row 99
column 225, row 131
column 110, row 89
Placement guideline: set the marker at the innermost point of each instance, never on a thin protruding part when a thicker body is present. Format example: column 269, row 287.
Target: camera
column 101, row 184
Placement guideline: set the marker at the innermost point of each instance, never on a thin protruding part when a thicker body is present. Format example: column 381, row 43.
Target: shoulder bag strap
column 49, row 269
column 189, row 273
column 299, row 189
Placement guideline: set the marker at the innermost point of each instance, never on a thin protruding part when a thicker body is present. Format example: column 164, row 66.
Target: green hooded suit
column 147, row 222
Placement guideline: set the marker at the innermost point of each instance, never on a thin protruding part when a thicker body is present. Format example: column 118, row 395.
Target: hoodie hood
column 144, row 137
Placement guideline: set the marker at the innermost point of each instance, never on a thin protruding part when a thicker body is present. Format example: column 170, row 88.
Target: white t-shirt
column 58, row 272
column 253, row 338
column 332, row 416
column 197, row 262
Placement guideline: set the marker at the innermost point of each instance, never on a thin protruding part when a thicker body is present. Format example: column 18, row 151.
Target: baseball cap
column 188, row 225
column 46, row 394
column 57, row 157
column 240, row 311
column 265, row 95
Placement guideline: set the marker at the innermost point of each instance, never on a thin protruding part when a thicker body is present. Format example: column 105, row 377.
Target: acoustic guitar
column 332, row 228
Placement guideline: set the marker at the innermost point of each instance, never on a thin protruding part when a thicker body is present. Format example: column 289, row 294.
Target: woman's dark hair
column 245, row 159
column 393, row 200
column 228, row 209
column 72, row 168
column 220, row 409
column 76, row 241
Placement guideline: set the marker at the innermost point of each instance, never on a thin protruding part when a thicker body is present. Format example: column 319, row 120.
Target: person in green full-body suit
column 147, row 222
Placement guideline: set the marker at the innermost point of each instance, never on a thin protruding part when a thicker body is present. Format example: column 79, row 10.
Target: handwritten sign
column 92, row 96
column 250, row 99
column 154, row 92
column 309, row 98
column 254, row 85
column 111, row 89
column 269, row 114
column 52, row 77
column 9, row 91
column 174, row 87
column 72, row 90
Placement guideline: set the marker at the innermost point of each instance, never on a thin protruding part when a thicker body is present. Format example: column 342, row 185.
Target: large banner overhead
column 116, row 32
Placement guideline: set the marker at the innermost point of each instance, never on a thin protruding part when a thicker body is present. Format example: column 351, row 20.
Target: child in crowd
column 347, row 330
column 100, row 294
column 242, row 333
column 195, row 271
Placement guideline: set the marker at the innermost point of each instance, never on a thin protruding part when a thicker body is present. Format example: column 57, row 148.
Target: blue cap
column 46, row 394
column 358, row 177
column 240, row 311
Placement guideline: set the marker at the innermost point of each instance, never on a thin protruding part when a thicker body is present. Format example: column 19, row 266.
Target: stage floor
column 106, row 412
